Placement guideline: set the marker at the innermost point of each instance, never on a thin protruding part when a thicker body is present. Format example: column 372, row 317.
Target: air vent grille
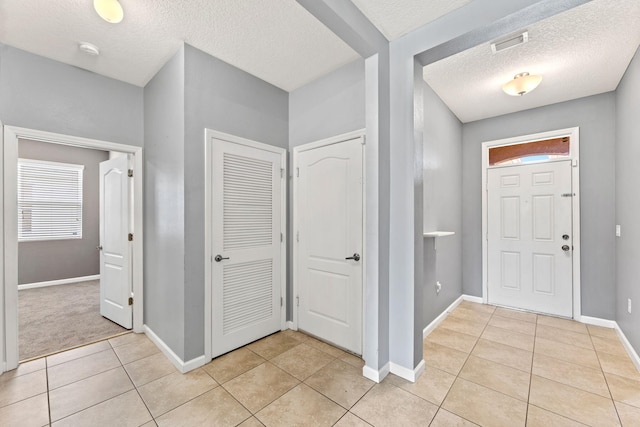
column 510, row 41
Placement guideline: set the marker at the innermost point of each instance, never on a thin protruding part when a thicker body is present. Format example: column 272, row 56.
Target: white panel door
column 529, row 237
column 246, row 268
column 115, row 248
column 329, row 218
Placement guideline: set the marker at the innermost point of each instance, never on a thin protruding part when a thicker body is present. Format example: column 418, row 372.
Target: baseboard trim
column 180, row 365
column 408, row 374
column 290, row 325
column 435, row 322
column 596, row 321
column 58, row 282
column 627, row 345
column 376, row 375
column 471, row 298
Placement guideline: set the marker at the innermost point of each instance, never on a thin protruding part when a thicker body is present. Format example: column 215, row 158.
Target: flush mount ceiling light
column 522, row 83
column 109, row 10
column 89, row 49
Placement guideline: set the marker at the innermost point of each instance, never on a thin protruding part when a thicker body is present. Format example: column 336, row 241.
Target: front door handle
column 355, row 257
column 565, row 248
column 219, row 258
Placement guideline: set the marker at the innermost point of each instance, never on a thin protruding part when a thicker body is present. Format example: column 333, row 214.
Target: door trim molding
column 574, row 134
column 9, row 218
column 358, row 134
column 210, row 134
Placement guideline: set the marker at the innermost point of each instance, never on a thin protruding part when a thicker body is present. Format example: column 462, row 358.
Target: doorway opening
column 32, row 216
column 59, row 224
column 531, row 223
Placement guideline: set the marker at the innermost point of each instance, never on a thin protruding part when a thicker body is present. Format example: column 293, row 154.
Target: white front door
column 115, row 248
column 246, row 267
column 328, row 203
column 529, row 237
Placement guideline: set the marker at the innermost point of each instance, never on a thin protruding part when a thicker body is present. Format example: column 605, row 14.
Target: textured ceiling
column 276, row 40
column 395, row 18
column 581, row 52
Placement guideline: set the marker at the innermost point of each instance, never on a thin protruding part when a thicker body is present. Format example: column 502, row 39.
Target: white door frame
column 9, row 217
column 574, row 155
column 210, row 134
column 359, row 134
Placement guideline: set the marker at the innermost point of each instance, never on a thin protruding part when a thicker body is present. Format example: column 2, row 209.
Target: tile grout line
column 46, row 367
column 606, row 381
column 533, row 356
column 135, row 387
column 461, row 368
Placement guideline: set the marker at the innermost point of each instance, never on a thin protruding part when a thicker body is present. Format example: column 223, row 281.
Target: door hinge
column 130, row 237
column 281, row 302
column 281, row 238
column 281, row 172
column 130, row 173
column 298, row 172
column 297, row 236
column 298, row 301
column 130, row 300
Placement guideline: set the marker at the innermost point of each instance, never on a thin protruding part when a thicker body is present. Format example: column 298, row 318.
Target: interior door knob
column 565, row 248
column 355, row 257
column 99, row 247
column 219, row 258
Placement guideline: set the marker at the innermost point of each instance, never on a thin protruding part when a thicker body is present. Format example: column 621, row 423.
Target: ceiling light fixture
column 89, row 49
column 522, row 83
column 109, row 10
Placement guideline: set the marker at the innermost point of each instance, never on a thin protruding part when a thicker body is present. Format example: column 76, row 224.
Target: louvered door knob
column 219, row 258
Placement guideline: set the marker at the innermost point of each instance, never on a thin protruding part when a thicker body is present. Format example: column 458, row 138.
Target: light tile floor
column 484, row 366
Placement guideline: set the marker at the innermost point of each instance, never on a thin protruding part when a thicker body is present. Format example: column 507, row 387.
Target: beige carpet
column 60, row 317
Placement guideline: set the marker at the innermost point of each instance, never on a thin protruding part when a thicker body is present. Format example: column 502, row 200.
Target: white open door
column 329, row 219
column 530, row 237
column 247, row 256
column 115, row 248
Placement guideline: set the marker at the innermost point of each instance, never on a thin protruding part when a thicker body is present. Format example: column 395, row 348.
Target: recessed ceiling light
column 89, row 49
column 109, row 10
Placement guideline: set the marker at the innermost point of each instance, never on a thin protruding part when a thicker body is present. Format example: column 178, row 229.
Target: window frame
column 66, row 167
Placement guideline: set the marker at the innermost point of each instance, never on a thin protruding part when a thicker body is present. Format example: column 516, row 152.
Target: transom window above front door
column 529, row 152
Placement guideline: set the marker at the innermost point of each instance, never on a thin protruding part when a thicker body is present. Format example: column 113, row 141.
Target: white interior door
column 246, row 243
column 529, row 237
column 329, row 215
column 115, row 248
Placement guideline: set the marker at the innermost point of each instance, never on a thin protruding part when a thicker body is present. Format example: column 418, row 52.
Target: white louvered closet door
column 246, row 269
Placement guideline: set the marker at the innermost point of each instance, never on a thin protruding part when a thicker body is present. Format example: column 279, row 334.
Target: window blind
column 49, row 200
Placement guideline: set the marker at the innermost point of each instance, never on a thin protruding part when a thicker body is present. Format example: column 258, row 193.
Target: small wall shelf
column 439, row 233
column 434, row 234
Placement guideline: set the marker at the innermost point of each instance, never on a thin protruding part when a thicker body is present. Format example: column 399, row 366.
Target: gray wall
column 63, row 259
column 39, row 93
column 595, row 116
column 224, row 98
column 164, row 204
column 628, row 201
column 442, row 205
column 329, row 106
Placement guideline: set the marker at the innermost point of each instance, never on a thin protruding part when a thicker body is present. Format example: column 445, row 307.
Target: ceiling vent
column 510, row 41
